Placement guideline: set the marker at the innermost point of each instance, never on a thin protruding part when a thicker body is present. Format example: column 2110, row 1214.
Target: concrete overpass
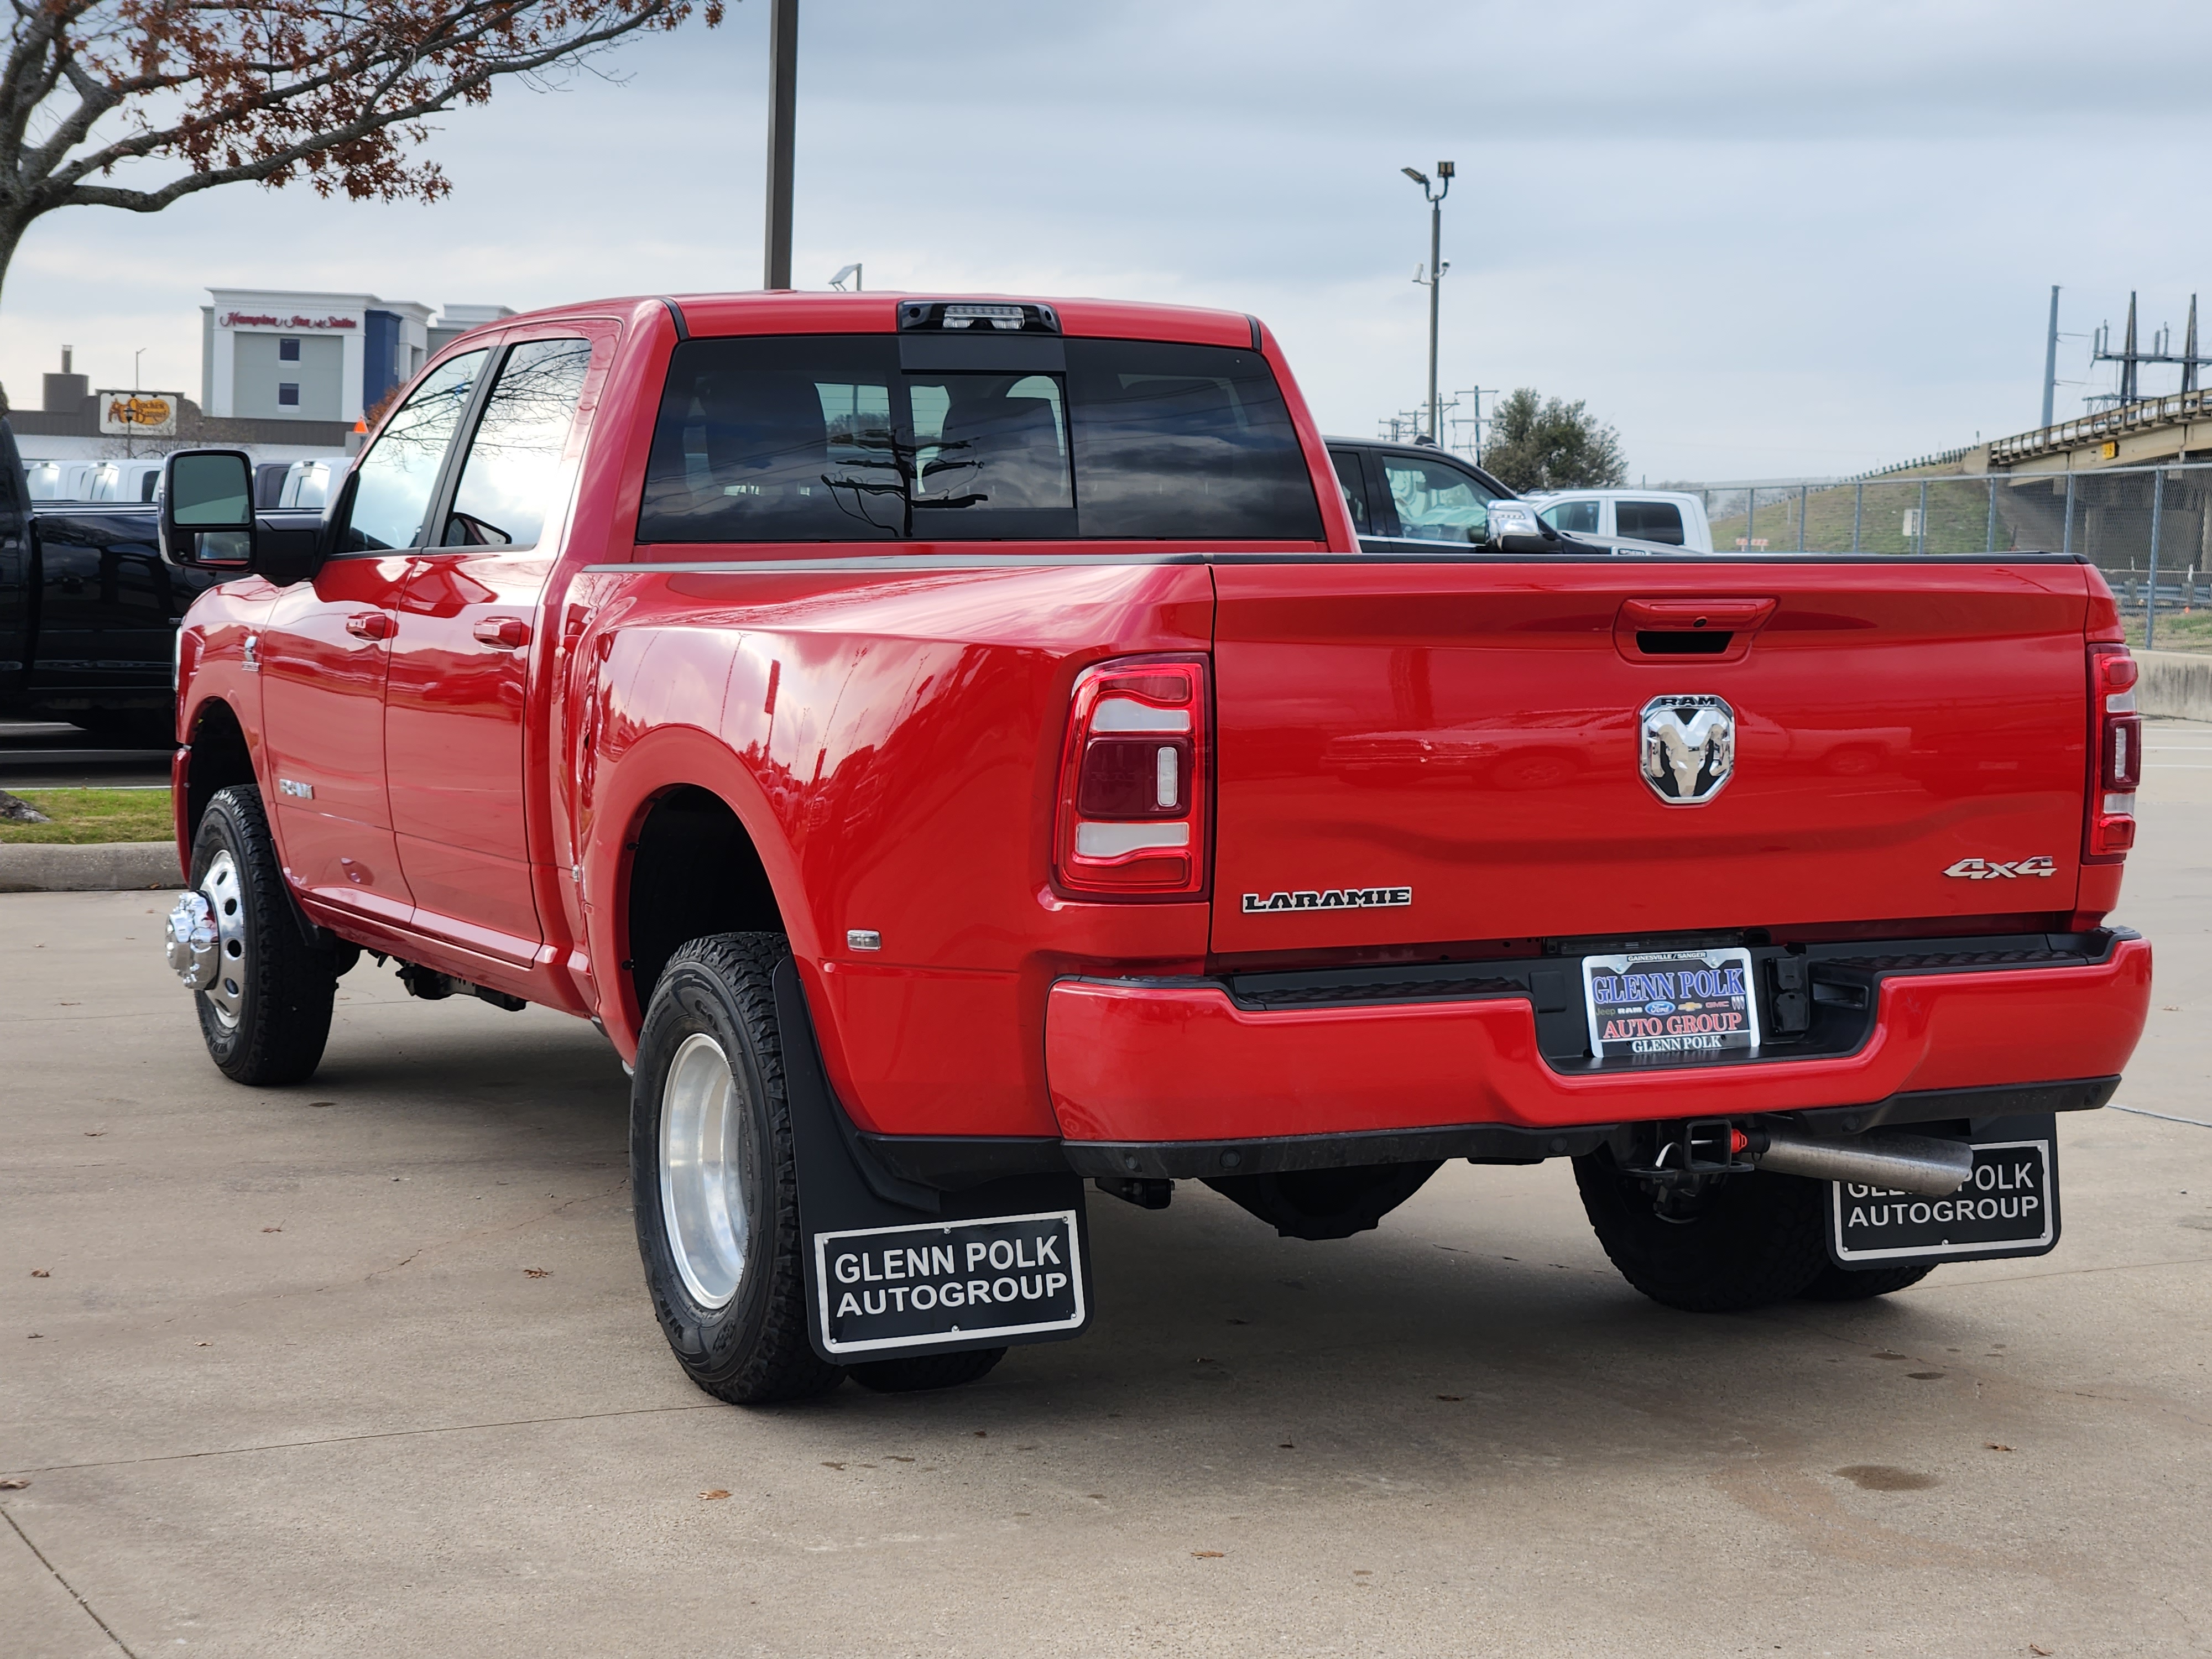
column 2168, row 430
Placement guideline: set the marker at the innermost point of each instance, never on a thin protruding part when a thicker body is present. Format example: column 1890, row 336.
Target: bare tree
column 337, row 92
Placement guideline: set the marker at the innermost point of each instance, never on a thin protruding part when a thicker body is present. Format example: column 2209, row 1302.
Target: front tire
column 714, row 1176
column 267, row 1015
column 1744, row 1242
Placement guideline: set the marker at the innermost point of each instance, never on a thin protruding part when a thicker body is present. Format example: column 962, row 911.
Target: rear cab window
column 883, row 437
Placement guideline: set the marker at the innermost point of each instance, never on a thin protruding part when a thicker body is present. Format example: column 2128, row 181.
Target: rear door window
column 1649, row 521
column 831, row 438
column 1436, row 502
column 1351, row 477
column 1571, row 518
column 513, row 460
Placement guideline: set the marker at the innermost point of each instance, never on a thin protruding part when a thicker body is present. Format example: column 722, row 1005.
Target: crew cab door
column 469, row 632
column 326, row 649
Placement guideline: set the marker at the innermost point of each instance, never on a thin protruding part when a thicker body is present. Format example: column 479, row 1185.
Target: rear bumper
column 1166, row 1064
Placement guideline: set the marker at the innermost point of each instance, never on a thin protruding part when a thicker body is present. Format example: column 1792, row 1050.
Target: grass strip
column 83, row 816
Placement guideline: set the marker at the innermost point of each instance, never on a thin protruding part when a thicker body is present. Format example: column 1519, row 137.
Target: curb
column 99, row 867
column 2177, row 684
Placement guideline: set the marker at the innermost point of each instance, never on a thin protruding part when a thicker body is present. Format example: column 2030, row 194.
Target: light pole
column 838, row 280
column 1435, row 195
column 782, row 126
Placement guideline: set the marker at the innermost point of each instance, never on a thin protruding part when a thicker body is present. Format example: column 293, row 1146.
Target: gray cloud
column 1759, row 238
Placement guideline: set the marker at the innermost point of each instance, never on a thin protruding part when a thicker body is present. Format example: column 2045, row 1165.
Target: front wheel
column 1744, row 1241
column 714, row 1176
column 264, row 993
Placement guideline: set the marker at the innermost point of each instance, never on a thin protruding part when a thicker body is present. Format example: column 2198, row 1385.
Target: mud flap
column 896, row 1270
column 2008, row 1207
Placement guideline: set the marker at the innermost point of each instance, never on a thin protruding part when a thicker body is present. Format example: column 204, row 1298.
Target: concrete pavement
column 365, row 1368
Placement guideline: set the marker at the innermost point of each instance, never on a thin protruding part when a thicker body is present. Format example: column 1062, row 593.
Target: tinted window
column 513, row 461
column 827, row 438
column 1352, row 481
column 1574, row 517
column 1185, row 440
column 399, row 471
column 1648, row 521
column 1436, row 502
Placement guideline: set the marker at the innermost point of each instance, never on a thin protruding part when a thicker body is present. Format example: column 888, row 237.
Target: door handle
column 369, row 624
column 1671, row 615
column 507, row 632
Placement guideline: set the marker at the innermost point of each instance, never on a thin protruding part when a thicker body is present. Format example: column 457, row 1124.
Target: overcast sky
column 1761, row 239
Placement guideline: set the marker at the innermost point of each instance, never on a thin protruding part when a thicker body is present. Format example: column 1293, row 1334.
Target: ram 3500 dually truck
column 957, row 751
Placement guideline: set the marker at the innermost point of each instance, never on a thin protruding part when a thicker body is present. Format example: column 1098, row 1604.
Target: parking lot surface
column 366, row 1367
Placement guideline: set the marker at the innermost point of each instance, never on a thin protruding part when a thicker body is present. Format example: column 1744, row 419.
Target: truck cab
column 1649, row 518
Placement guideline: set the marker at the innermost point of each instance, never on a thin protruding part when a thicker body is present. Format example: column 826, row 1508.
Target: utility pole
column 2127, row 359
column 782, row 126
column 1477, row 393
column 2051, row 357
column 1435, row 195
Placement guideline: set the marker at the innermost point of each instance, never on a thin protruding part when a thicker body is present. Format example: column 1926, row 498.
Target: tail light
column 1133, row 780
column 2118, row 759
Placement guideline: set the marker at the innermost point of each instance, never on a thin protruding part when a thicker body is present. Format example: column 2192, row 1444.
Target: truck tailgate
column 1417, row 754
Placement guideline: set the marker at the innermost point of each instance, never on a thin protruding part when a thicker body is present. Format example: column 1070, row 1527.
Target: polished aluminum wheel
column 226, row 899
column 705, row 1156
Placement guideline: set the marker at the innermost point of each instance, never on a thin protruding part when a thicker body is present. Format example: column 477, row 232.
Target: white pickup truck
column 1669, row 518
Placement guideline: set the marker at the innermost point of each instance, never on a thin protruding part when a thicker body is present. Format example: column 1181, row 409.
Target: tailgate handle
column 1683, row 616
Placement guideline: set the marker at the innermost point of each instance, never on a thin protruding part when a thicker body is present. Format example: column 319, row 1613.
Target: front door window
column 395, row 478
column 1436, row 502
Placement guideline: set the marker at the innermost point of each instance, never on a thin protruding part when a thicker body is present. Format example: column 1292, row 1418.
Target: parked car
column 88, row 608
column 301, row 486
column 957, row 749
column 1400, row 494
column 94, row 481
column 1657, row 517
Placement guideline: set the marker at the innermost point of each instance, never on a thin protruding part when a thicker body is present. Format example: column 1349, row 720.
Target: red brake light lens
column 2111, row 814
column 1133, row 787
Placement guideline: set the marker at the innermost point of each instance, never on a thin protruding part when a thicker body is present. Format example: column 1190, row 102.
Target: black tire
column 926, row 1371
column 1747, row 1241
column 268, row 1015
column 1835, row 1283
column 749, row 1346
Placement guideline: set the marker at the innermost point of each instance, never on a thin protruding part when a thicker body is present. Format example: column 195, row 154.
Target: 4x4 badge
column 1991, row 869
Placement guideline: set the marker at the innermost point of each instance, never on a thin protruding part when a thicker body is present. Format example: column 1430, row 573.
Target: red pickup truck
column 957, row 750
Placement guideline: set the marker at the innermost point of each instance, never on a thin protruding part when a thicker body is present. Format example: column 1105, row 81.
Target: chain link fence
column 2147, row 528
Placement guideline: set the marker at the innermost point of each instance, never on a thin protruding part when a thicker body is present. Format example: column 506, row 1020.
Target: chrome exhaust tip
column 1904, row 1162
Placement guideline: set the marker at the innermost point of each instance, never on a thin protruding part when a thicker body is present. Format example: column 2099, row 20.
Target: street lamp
column 1435, row 195
column 838, row 280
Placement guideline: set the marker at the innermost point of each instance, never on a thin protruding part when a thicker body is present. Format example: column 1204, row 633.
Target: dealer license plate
column 884, row 1289
column 2008, row 1207
column 1671, row 1005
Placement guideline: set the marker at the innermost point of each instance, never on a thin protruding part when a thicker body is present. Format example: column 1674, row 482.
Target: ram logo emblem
column 1688, row 747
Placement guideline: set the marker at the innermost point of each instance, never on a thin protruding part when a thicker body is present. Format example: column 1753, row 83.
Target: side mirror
column 208, row 521
column 1515, row 528
column 207, row 508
